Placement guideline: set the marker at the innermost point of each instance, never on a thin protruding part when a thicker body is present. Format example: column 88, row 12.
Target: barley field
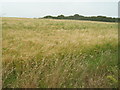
column 49, row 53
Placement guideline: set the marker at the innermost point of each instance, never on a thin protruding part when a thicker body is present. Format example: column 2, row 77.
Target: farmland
column 49, row 53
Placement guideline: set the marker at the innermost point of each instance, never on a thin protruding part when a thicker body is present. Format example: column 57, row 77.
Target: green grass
column 47, row 53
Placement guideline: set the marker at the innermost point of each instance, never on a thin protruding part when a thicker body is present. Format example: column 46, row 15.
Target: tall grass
column 46, row 53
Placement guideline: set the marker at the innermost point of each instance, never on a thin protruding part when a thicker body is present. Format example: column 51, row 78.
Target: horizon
column 58, row 15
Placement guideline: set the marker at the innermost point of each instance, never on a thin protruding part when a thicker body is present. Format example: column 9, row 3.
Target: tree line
column 80, row 17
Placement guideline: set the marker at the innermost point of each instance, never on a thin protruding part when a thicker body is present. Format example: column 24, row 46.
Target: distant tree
column 80, row 17
column 101, row 16
column 60, row 16
column 48, row 16
column 76, row 15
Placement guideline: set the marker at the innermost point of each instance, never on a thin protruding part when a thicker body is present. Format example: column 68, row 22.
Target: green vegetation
column 49, row 53
column 80, row 17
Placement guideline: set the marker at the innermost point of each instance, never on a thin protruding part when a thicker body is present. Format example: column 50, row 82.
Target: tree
column 80, row 17
column 48, row 16
column 60, row 16
column 76, row 15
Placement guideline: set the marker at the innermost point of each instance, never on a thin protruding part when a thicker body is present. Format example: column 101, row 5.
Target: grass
column 47, row 53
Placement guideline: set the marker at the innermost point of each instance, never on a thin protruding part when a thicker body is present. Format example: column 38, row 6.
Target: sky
column 59, row 0
column 41, row 8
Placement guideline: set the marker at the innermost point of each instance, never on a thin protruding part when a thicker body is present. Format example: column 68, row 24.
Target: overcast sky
column 59, row 0
column 40, row 8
